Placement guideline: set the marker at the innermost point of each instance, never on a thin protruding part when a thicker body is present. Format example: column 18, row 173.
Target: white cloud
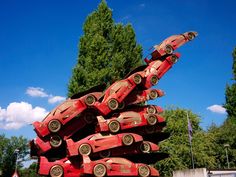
column 56, row 99
column 217, row 109
column 36, row 92
column 16, row 115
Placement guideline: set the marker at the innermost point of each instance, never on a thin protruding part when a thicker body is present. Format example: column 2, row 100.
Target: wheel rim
column 127, row 139
column 137, row 79
column 99, row 170
column 191, row 36
column 151, row 110
column 105, row 154
column 113, row 104
column 154, row 80
column 90, row 100
column 145, row 147
column 54, row 126
column 89, row 117
column 153, row 94
column 151, row 120
column 55, row 141
column 169, row 49
column 56, row 171
column 114, row 126
column 85, row 149
column 174, row 58
column 121, row 105
column 144, row 171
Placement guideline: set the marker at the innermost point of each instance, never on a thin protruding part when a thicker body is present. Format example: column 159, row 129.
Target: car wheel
column 151, row 119
column 99, row 170
column 137, row 79
column 114, row 126
column 105, row 154
column 121, row 105
column 55, row 141
column 54, row 125
column 85, row 149
column 90, row 100
column 191, row 36
column 127, row 139
column 151, row 110
column 56, row 171
column 153, row 94
column 89, row 117
column 145, row 147
column 150, row 129
column 168, row 49
column 174, row 58
column 113, row 104
column 144, row 171
column 154, row 80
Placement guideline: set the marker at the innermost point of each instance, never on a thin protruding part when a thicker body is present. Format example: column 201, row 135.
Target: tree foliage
column 8, row 155
column 178, row 145
column 107, row 51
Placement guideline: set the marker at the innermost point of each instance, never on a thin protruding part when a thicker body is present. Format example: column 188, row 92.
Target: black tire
column 114, row 126
column 127, row 139
column 113, row 104
column 168, row 49
column 99, row 170
column 90, row 100
column 191, row 36
column 85, row 149
column 154, row 80
column 145, row 147
column 151, row 110
column 174, row 58
column 153, row 94
column 105, row 154
column 55, row 141
column 89, row 117
column 56, row 171
column 54, row 125
column 144, row 171
column 151, row 119
column 137, row 79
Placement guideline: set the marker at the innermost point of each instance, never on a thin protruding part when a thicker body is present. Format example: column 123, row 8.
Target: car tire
column 55, row 141
column 174, row 58
column 144, row 171
column 113, row 104
column 137, row 79
column 154, row 80
column 54, row 125
column 114, row 126
column 151, row 119
column 99, row 170
column 105, row 154
column 85, row 149
column 168, row 49
column 90, row 100
column 56, row 171
column 153, row 94
column 127, row 139
column 89, row 117
column 191, row 36
column 145, row 147
column 151, row 110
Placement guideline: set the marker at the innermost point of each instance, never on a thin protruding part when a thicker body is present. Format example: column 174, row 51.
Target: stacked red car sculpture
column 108, row 132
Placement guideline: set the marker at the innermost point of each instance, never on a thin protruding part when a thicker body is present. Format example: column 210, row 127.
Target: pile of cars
column 109, row 131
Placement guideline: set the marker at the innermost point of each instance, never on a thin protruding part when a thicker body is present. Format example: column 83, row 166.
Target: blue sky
column 38, row 50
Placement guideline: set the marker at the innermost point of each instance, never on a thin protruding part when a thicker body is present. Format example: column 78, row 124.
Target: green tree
column 107, row 51
column 8, row 155
column 178, row 146
column 31, row 171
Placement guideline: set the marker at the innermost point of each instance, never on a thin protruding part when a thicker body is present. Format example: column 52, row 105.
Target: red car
column 127, row 120
column 117, row 92
column 171, row 43
column 98, row 142
column 59, row 168
column 136, row 97
column 64, row 113
column 116, row 167
column 149, row 109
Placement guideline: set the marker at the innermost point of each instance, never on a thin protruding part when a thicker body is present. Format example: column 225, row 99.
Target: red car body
column 98, row 142
column 64, row 113
column 127, row 120
column 63, row 166
column 116, row 167
column 170, row 44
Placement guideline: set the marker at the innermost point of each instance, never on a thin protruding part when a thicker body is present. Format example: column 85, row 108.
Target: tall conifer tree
column 107, row 51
